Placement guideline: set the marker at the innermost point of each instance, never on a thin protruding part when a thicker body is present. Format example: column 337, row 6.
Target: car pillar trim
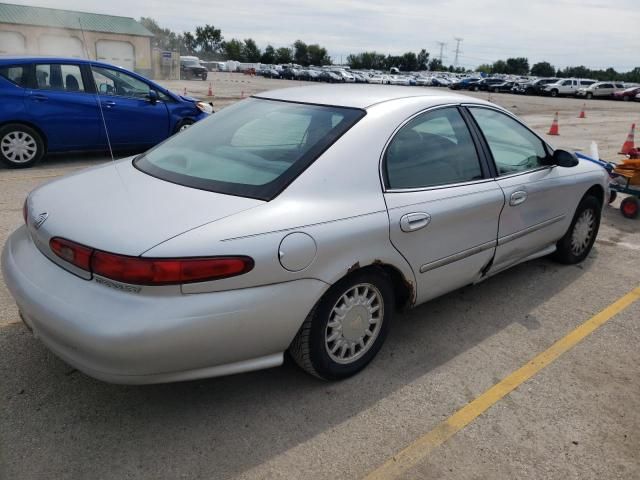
column 457, row 256
column 531, row 229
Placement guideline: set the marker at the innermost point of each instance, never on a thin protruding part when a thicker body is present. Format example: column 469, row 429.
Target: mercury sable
column 294, row 221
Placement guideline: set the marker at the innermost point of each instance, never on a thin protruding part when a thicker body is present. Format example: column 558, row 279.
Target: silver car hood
column 119, row 209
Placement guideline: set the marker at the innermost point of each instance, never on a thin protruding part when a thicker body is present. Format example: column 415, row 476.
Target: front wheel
column 20, row 146
column 183, row 125
column 589, row 96
column 347, row 327
column 629, row 207
column 578, row 241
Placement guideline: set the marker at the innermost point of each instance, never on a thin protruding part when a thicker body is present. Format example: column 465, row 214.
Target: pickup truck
column 567, row 86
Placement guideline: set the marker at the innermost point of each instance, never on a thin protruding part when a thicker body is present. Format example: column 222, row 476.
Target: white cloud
column 564, row 32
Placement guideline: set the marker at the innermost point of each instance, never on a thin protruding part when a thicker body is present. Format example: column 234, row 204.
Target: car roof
column 14, row 59
column 359, row 96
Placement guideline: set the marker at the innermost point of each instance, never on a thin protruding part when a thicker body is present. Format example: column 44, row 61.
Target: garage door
column 61, row 45
column 12, row 43
column 117, row 53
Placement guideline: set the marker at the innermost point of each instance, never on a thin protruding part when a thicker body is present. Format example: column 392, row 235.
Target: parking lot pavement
column 577, row 418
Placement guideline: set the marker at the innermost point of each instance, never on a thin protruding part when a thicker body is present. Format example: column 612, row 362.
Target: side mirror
column 152, row 97
column 562, row 158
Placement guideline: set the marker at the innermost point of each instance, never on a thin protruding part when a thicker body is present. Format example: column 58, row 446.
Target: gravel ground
column 577, row 419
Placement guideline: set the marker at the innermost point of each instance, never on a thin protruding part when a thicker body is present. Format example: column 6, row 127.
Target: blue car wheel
column 20, row 146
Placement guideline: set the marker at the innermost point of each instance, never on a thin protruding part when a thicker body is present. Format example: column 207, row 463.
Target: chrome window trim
column 458, row 256
column 438, row 187
column 528, row 230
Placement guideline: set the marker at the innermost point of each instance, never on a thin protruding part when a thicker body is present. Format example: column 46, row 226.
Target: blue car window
column 16, row 74
column 115, row 82
column 59, row 77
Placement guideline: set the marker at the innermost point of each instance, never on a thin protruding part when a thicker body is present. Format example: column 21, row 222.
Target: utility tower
column 458, row 52
column 442, row 45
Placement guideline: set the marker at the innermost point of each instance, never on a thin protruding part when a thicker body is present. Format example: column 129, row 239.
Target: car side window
column 433, row 149
column 56, row 76
column 115, row 82
column 16, row 74
column 513, row 146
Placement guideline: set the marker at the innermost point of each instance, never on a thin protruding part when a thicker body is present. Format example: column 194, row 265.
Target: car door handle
column 109, row 104
column 414, row 221
column 36, row 97
column 517, row 198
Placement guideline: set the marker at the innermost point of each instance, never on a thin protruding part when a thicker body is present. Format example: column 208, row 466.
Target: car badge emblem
column 40, row 219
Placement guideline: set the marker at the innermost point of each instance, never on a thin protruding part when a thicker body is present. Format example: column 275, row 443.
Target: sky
column 563, row 32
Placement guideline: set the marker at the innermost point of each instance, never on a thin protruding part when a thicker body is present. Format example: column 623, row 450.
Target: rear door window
column 59, row 77
column 16, row 74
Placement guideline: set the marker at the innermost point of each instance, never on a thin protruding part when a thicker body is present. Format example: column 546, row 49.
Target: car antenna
column 104, row 122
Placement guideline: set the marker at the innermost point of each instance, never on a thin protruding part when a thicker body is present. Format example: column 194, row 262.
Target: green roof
column 55, row 18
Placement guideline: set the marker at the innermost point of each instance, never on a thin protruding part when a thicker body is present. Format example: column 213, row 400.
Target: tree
column 300, row 53
column 423, row 59
column 499, row 66
column 517, row 66
column 232, row 50
column 435, row 65
column 250, row 51
column 209, row 40
column 317, row 55
column 188, row 43
column 269, row 55
column 284, row 55
column 409, row 62
column 543, row 69
column 485, row 68
column 163, row 38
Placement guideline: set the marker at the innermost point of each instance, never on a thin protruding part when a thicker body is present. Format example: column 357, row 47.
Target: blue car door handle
column 109, row 104
column 37, row 97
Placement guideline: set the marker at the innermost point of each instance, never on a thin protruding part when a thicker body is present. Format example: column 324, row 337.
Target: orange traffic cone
column 627, row 146
column 210, row 92
column 554, row 130
column 582, row 112
column 185, row 91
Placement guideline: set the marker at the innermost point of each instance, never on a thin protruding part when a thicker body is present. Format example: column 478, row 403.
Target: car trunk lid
column 119, row 209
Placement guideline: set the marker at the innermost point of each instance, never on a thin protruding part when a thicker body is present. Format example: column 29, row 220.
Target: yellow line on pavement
column 420, row 449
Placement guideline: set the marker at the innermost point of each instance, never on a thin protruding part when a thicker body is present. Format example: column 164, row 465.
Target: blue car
column 68, row 104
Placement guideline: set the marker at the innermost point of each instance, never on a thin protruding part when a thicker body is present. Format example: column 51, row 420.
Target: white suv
column 600, row 89
column 567, row 86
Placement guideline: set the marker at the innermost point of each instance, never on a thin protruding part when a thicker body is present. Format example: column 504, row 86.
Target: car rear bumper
column 165, row 336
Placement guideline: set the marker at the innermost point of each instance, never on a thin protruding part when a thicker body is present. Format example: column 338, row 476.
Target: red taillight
column 72, row 252
column 162, row 271
column 149, row 271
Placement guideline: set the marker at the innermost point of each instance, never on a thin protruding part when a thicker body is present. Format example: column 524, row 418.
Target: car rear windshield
column 254, row 148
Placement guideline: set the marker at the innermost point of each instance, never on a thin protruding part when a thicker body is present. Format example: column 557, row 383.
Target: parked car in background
column 196, row 259
column 399, row 80
column 423, row 81
column 502, row 87
column 54, row 104
column 374, row 78
column 191, row 68
column 464, row 83
column 534, row 87
column 344, row 75
column 567, row 86
column 485, row 84
column 627, row 94
column 440, row 82
column 600, row 90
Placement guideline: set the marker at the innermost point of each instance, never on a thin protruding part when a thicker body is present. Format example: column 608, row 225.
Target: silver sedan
column 297, row 220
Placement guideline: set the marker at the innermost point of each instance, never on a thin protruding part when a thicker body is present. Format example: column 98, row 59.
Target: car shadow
column 221, row 427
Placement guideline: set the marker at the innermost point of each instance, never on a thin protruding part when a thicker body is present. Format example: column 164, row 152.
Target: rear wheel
column 626, row 98
column 612, row 196
column 347, row 327
column 578, row 241
column 20, row 146
column 629, row 207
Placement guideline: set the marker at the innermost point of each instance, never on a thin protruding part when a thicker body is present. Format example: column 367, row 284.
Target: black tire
column 7, row 132
column 626, row 98
column 629, row 207
column 554, row 93
column 612, row 196
column 589, row 96
column 204, row 77
column 309, row 349
column 184, row 123
column 565, row 252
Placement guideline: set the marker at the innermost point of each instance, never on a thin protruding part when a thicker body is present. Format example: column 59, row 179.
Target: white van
column 567, row 86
